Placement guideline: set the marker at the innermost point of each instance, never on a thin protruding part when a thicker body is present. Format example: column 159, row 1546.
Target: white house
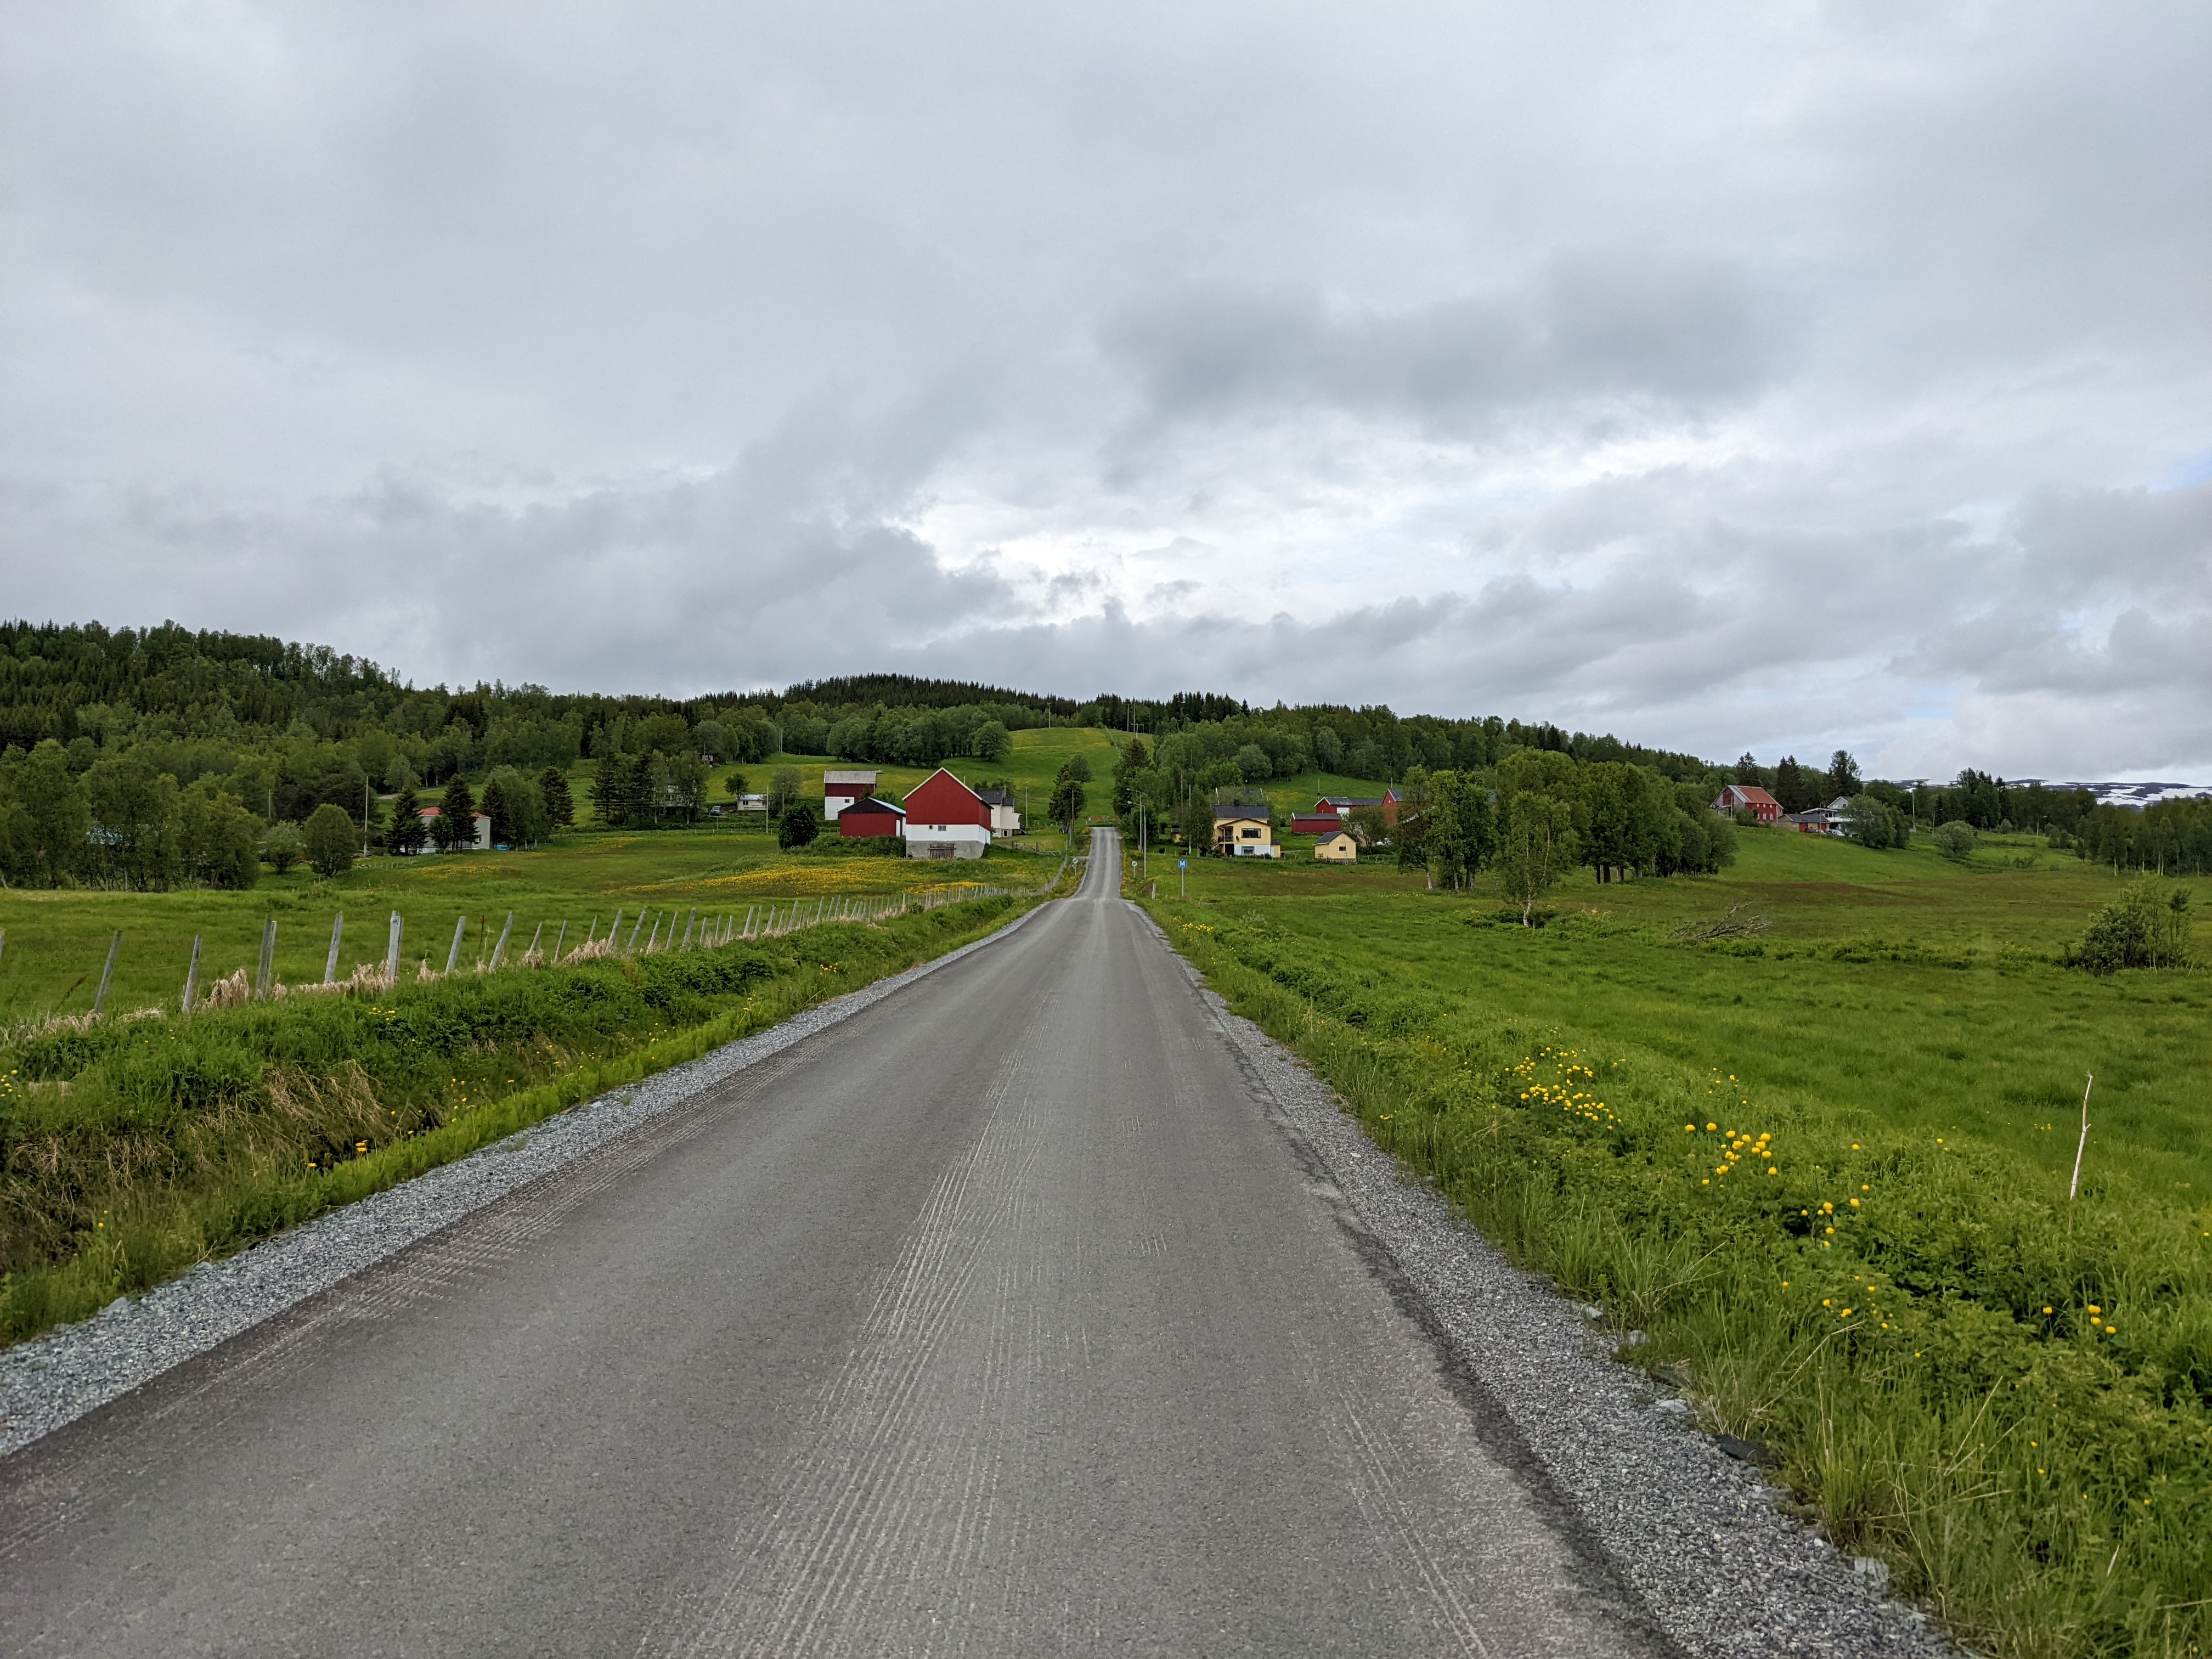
column 482, row 843
column 1005, row 820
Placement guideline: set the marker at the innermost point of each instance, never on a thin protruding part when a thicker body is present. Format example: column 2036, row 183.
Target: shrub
column 1955, row 841
column 328, row 838
column 281, row 846
column 2142, row 928
column 797, row 826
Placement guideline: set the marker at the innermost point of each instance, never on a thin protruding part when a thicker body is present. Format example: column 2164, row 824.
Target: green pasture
column 1893, row 984
column 57, row 941
column 1820, row 1172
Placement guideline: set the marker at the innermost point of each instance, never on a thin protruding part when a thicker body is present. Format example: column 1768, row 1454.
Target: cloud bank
column 1779, row 378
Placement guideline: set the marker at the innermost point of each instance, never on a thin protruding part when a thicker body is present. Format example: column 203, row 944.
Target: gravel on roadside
column 1699, row 1537
column 58, row 1378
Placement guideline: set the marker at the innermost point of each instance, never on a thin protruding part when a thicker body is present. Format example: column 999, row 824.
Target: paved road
column 1000, row 1319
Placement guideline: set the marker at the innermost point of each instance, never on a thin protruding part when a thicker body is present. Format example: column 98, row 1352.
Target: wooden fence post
column 262, row 984
column 499, row 950
column 331, row 962
column 453, row 956
column 191, row 977
column 391, row 949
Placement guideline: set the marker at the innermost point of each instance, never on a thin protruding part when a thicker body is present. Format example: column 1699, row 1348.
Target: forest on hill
column 159, row 756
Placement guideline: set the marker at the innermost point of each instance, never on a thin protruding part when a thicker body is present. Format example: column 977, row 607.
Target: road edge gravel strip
column 54, row 1379
column 1697, row 1536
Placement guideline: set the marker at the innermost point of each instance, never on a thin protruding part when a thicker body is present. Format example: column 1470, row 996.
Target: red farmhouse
column 1764, row 807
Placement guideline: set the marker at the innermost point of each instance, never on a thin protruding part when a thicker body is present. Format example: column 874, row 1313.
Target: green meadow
column 57, row 940
column 1817, row 1175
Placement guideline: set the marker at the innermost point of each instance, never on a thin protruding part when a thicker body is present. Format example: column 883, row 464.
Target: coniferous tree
column 408, row 834
column 560, row 806
column 457, row 817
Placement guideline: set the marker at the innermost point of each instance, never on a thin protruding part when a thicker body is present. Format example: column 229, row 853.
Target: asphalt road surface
column 999, row 1319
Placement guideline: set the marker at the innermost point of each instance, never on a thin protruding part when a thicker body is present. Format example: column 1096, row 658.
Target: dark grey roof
column 995, row 796
column 867, row 804
column 1221, row 812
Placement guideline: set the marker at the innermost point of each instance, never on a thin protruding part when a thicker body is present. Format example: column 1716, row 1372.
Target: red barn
column 1316, row 824
column 1764, row 807
column 945, row 819
column 870, row 817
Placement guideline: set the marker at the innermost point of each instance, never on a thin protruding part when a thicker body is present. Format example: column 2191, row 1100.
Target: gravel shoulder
column 58, row 1378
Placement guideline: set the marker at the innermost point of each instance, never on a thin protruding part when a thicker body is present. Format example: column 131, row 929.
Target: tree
column 796, row 826
column 328, row 838
column 515, row 807
column 1875, row 823
column 709, row 736
column 560, row 806
column 620, row 790
column 1796, row 788
column 2146, row 928
column 1535, row 848
column 408, row 834
column 783, row 787
column 992, row 742
column 1747, row 769
column 1328, row 747
column 1079, row 768
column 133, row 826
column 1955, row 841
column 216, row 838
column 686, row 788
column 1068, row 802
column 1843, row 776
column 1462, row 831
column 56, row 818
column 1253, row 764
column 1368, row 826
column 733, row 785
column 455, row 827
column 281, row 846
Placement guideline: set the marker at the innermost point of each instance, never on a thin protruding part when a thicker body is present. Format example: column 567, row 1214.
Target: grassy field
column 133, row 1146
column 57, row 941
column 1824, row 1170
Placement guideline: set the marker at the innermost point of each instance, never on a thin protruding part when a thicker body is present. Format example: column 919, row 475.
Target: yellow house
column 1337, row 848
column 1244, row 832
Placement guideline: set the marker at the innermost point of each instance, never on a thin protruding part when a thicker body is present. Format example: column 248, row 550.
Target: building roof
column 1751, row 794
column 996, row 797
column 1336, row 835
column 437, row 813
column 1333, row 802
column 868, row 804
column 1256, row 814
column 866, row 780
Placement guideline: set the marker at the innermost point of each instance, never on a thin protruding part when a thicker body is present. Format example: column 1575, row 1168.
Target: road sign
column 1182, row 864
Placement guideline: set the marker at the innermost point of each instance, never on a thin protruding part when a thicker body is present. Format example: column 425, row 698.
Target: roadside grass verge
column 132, row 1150
column 2006, row 1402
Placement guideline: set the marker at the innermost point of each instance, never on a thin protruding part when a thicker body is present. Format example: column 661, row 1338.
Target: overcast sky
column 1780, row 376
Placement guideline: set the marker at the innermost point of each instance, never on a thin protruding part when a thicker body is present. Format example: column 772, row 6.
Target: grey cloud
column 1612, row 328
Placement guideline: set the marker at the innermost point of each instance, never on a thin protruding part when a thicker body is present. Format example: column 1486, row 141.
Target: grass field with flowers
column 1821, row 1174
column 135, row 1144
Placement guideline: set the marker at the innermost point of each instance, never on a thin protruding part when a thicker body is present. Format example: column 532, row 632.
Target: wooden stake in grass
column 499, row 950
column 391, row 949
column 2084, row 1146
column 114, row 948
column 331, row 962
column 267, row 957
column 191, row 977
column 453, row 956
column 562, row 940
